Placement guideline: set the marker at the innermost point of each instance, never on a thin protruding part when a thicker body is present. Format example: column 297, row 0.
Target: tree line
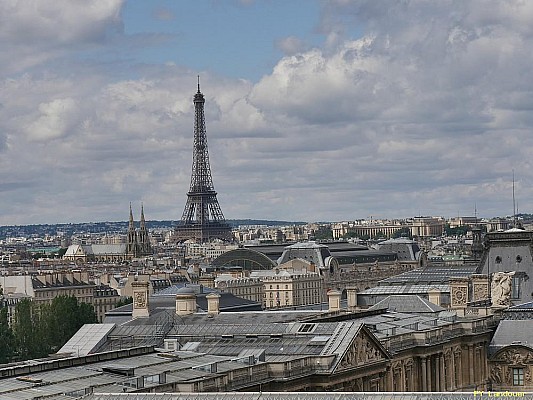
column 38, row 330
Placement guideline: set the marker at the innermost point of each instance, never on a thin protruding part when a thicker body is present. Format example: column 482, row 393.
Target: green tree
column 30, row 338
column 404, row 232
column 40, row 330
column 64, row 317
column 86, row 314
column 6, row 334
column 349, row 235
column 456, row 231
column 324, row 234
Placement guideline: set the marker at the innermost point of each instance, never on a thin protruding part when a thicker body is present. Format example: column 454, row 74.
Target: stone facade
column 512, row 368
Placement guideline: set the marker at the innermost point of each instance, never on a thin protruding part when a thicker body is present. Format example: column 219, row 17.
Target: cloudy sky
column 315, row 110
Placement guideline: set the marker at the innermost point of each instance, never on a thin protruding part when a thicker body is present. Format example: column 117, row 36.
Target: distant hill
column 240, row 222
column 41, row 230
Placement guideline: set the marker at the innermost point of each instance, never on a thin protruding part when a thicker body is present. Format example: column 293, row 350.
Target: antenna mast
column 514, row 205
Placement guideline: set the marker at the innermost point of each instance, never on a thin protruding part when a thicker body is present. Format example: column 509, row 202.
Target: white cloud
column 291, row 45
column 426, row 110
column 55, row 119
column 58, row 21
column 35, row 31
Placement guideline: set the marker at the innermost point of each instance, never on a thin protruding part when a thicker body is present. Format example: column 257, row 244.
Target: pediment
column 514, row 355
column 364, row 349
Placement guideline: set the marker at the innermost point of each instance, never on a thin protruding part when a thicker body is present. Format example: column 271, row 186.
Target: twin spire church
column 138, row 241
column 113, row 249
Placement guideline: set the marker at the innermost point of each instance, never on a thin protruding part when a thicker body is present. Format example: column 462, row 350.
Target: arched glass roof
column 245, row 259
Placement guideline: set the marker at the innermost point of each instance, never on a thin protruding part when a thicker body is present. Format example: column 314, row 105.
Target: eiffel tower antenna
column 202, row 219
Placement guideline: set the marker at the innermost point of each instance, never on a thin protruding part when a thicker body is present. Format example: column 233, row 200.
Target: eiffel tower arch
column 202, row 219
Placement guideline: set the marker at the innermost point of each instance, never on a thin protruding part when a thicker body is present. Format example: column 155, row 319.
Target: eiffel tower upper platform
column 202, row 219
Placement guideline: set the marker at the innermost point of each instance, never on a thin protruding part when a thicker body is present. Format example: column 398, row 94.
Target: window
column 498, row 260
column 306, row 328
column 515, row 287
column 518, row 376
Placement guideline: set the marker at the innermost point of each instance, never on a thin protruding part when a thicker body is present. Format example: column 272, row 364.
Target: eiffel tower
column 202, row 219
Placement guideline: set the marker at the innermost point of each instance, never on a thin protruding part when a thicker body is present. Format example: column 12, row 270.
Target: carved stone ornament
column 139, row 300
column 496, row 374
column 222, row 285
column 458, row 296
column 500, row 288
column 517, row 357
column 360, row 352
column 481, row 292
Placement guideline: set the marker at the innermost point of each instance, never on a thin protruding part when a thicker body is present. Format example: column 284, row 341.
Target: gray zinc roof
column 407, row 303
column 512, row 332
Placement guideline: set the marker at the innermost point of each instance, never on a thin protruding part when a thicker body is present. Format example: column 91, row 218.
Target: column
column 437, row 373
column 442, row 376
column 485, row 364
column 402, row 378
column 471, row 369
column 428, row 374
column 451, row 364
column 424, row 370
column 460, row 369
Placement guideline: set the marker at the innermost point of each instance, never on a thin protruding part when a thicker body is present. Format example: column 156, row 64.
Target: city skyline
column 315, row 110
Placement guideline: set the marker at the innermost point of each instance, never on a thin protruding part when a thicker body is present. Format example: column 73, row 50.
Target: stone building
column 368, row 229
column 511, row 351
column 104, row 299
column 43, row 288
column 245, row 287
column 217, row 350
column 508, row 251
column 306, row 350
column 285, row 288
column 427, row 226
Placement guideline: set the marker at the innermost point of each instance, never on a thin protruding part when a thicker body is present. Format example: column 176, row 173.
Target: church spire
column 142, row 222
column 131, row 224
column 143, row 240
column 131, row 241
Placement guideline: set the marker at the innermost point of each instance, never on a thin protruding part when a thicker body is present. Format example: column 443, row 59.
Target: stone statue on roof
column 500, row 288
